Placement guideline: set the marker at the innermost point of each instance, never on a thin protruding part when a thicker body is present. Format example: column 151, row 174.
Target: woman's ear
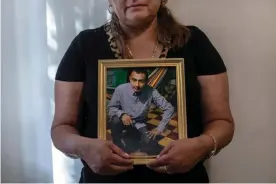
column 110, row 7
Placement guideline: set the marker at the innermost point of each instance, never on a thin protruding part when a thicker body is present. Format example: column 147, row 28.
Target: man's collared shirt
column 137, row 105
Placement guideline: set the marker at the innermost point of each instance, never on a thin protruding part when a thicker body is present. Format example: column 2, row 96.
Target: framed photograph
column 142, row 105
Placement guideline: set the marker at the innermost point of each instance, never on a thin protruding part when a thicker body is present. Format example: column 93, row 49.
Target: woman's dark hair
column 171, row 33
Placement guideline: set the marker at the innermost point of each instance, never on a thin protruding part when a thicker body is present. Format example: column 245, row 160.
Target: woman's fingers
column 119, row 161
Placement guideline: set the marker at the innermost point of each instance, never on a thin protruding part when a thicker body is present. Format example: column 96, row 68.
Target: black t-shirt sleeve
column 72, row 65
column 207, row 59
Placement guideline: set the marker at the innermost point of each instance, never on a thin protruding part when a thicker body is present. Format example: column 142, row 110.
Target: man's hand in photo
column 126, row 120
column 153, row 133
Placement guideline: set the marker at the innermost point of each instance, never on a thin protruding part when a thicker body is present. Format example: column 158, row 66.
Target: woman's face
column 135, row 12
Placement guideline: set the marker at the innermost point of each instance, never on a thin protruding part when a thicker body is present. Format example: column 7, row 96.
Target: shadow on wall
column 10, row 168
column 25, row 136
column 65, row 19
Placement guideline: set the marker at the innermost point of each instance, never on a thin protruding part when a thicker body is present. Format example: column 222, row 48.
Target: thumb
column 115, row 149
column 166, row 150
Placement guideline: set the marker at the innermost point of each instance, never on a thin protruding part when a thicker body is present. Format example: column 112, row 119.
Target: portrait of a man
column 128, row 111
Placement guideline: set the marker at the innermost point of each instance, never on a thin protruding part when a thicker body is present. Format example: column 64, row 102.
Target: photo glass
column 142, row 109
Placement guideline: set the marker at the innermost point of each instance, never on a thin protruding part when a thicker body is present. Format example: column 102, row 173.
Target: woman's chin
column 138, row 23
column 138, row 17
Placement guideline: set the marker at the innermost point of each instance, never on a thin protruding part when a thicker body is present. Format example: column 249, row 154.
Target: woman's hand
column 105, row 158
column 182, row 155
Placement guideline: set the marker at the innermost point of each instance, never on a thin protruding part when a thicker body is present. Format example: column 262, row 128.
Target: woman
column 142, row 29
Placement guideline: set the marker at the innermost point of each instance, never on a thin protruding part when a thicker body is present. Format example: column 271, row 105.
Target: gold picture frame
column 180, row 124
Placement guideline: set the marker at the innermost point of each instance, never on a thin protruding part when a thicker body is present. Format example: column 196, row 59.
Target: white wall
column 33, row 43
column 0, row 78
column 35, row 35
column 25, row 101
column 244, row 32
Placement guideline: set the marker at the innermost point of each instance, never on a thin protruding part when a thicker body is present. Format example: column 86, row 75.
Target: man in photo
column 130, row 105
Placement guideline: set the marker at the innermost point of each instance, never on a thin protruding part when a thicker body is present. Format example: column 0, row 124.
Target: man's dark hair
column 139, row 71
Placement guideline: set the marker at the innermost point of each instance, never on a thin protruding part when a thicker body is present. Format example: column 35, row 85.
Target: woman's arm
column 218, row 119
column 64, row 135
column 103, row 157
column 181, row 156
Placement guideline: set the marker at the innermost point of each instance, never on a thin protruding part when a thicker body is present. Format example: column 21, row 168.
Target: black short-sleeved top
column 80, row 64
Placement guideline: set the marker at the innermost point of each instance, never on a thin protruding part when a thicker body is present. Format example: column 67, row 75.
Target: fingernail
column 126, row 154
column 158, row 156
